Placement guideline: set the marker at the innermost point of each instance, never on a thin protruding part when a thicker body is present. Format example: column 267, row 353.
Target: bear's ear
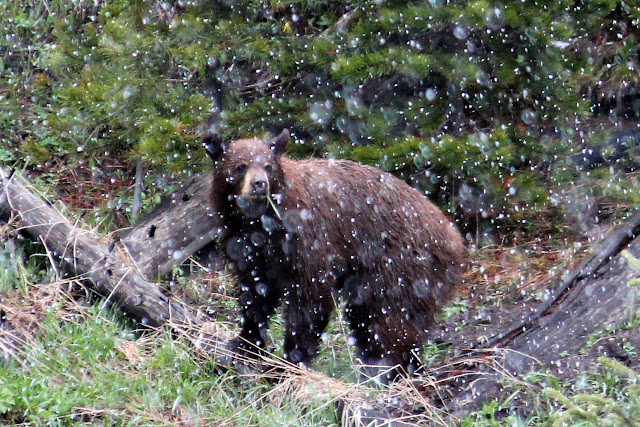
column 214, row 144
column 279, row 143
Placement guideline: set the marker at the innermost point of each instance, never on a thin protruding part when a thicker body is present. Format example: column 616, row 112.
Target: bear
column 307, row 233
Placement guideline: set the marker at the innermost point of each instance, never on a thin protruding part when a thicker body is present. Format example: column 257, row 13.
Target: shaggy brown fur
column 334, row 227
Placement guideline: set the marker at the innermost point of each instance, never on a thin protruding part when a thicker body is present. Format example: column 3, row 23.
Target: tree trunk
column 178, row 228
column 112, row 273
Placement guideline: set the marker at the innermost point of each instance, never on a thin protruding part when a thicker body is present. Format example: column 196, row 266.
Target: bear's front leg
column 258, row 300
column 306, row 318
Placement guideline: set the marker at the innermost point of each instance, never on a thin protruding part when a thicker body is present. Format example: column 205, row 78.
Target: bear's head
column 247, row 171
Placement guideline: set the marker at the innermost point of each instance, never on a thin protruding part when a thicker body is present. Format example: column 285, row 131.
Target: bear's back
column 349, row 193
column 377, row 224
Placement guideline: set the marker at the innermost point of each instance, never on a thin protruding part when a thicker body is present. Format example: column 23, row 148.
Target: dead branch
column 111, row 272
column 178, row 228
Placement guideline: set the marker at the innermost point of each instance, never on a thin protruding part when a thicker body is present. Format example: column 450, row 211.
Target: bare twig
column 137, row 190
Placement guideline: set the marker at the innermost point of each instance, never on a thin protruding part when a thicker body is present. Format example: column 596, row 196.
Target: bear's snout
column 255, row 184
column 259, row 186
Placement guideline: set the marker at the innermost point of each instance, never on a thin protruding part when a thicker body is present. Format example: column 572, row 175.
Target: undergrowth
column 75, row 361
column 87, row 364
column 69, row 359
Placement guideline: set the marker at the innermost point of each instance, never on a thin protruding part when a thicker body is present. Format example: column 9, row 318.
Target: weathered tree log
column 600, row 299
column 592, row 297
column 110, row 270
column 174, row 231
column 606, row 250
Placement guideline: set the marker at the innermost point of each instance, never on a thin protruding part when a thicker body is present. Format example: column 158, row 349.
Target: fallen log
column 594, row 296
column 111, row 272
column 178, row 228
column 610, row 247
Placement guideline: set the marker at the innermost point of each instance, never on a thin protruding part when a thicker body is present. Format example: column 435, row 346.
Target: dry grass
column 418, row 400
column 522, row 269
column 24, row 313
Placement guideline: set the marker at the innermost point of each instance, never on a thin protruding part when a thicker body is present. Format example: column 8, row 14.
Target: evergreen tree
column 480, row 102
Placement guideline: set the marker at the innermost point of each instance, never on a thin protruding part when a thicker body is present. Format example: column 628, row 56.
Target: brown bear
column 310, row 232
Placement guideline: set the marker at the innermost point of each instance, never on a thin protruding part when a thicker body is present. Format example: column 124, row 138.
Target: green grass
column 94, row 369
column 76, row 362
column 79, row 363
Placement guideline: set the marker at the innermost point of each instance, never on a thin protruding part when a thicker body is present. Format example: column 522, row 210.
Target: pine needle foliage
column 350, row 79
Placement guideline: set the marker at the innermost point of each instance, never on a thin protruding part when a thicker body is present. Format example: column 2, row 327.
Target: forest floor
column 506, row 284
column 54, row 331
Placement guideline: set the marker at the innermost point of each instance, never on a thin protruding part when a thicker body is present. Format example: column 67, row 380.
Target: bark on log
column 112, row 273
column 594, row 296
column 174, row 231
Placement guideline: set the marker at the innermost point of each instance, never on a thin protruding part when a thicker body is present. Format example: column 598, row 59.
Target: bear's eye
column 241, row 167
column 268, row 169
